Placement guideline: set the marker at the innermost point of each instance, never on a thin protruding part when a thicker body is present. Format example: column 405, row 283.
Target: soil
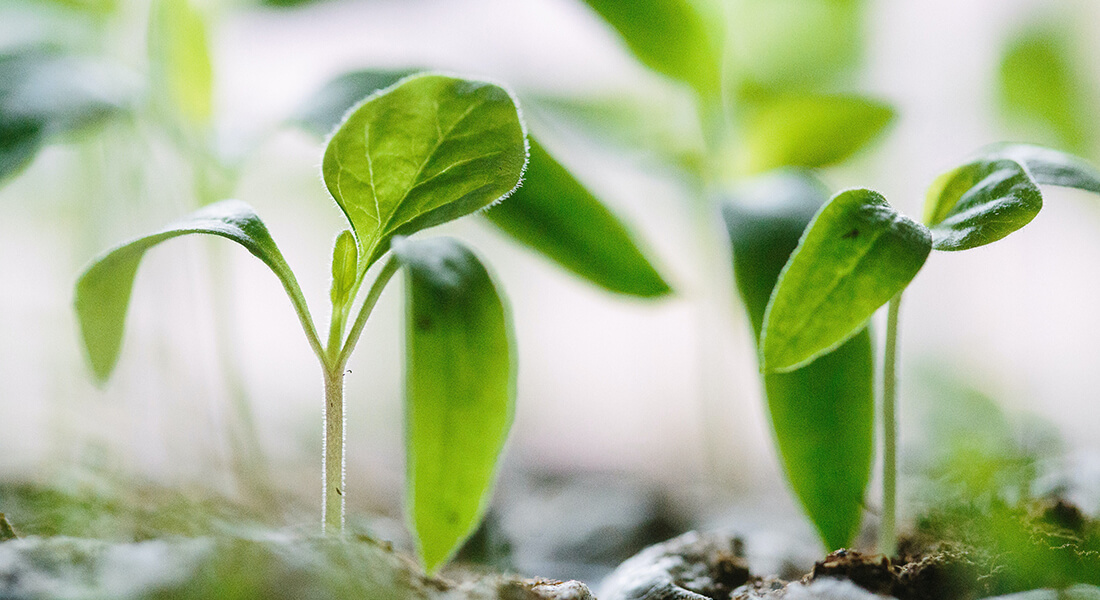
column 965, row 553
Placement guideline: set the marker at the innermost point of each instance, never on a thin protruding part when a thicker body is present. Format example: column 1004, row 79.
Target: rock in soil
column 269, row 569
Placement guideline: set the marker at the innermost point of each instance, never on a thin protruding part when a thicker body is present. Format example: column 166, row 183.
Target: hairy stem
column 888, row 529
column 332, row 471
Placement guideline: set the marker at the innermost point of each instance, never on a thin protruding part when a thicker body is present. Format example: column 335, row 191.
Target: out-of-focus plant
column 1044, row 90
column 423, row 152
column 858, row 253
column 46, row 94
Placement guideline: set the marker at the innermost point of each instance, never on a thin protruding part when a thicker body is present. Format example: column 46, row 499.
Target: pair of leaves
column 465, row 140
column 822, row 414
column 553, row 213
column 44, row 95
column 858, row 252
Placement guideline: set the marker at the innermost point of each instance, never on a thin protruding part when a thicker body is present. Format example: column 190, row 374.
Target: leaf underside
column 460, row 387
column 103, row 290
column 426, row 151
column 856, row 254
column 822, row 415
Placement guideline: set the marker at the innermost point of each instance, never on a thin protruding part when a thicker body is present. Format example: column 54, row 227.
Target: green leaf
column 671, row 37
column 780, row 46
column 822, row 414
column 1040, row 84
column 856, row 254
column 554, row 214
column 981, row 202
column 103, row 290
column 345, row 268
column 44, row 94
column 810, row 131
column 460, row 391
column 424, row 152
column 1050, row 167
column 324, row 110
column 181, row 59
column 19, row 143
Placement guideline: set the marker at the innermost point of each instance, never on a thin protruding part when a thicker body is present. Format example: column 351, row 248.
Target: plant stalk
column 888, row 540
column 333, row 469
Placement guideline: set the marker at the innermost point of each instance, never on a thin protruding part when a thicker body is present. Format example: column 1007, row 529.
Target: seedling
column 427, row 150
column 859, row 253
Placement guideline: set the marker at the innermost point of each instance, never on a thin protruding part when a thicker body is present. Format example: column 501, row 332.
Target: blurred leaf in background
column 181, row 70
column 45, row 94
column 809, row 131
column 673, row 37
column 792, row 45
column 1043, row 87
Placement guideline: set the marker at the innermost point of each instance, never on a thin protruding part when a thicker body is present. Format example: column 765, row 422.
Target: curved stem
column 888, row 528
column 379, row 284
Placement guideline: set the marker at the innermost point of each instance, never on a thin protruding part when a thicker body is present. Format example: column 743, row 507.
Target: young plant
column 425, row 151
column 858, row 253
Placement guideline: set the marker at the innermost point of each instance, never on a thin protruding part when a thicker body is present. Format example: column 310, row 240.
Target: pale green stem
column 332, row 471
column 333, row 360
column 888, row 528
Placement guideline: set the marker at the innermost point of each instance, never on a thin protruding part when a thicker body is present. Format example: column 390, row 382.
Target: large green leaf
column 822, row 414
column 981, row 202
column 426, row 151
column 460, row 391
column 1040, row 84
column 44, row 94
column 669, row 36
column 103, row 290
column 809, row 131
column 554, row 214
column 857, row 254
column 181, row 59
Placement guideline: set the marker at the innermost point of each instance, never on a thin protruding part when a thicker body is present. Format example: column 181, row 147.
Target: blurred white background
column 667, row 389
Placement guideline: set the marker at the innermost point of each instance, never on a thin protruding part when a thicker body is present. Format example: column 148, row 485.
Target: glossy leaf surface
column 426, row 151
column 822, row 414
column 460, row 386
column 981, row 202
column 1039, row 84
column 44, row 94
column 810, row 131
column 669, row 36
column 554, row 214
column 856, row 254
column 180, row 56
column 103, row 290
